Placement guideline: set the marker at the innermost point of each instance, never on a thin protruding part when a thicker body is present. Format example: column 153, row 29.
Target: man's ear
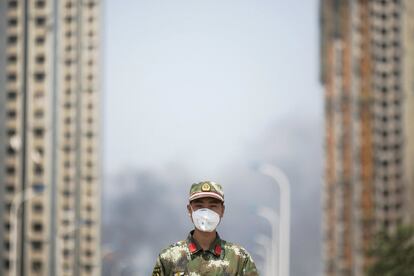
column 189, row 210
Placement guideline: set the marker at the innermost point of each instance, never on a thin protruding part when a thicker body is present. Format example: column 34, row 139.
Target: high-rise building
column 367, row 69
column 49, row 137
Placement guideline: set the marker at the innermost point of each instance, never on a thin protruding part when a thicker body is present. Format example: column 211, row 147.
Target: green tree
column 393, row 254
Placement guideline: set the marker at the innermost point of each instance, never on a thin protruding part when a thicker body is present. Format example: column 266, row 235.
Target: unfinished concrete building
column 367, row 69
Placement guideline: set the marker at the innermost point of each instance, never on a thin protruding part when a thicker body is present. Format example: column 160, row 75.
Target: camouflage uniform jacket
column 188, row 258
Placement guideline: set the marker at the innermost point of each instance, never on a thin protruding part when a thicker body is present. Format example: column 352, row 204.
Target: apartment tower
column 367, row 69
column 49, row 137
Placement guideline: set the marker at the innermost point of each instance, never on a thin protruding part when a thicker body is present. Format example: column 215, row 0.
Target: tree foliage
column 393, row 254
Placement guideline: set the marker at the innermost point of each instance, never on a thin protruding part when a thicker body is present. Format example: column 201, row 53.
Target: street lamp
column 263, row 264
column 266, row 254
column 282, row 181
column 271, row 216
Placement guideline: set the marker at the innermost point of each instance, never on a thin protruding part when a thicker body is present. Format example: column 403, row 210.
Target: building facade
column 367, row 69
column 49, row 137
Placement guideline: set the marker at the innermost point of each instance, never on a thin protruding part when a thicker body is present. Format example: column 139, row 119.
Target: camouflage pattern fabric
column 188, row 258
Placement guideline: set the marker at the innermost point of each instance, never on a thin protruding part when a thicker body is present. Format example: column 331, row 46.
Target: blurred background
column 206, row 91
column 110, row 110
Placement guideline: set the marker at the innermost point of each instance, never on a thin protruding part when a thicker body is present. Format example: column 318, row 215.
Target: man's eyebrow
column 213, row 200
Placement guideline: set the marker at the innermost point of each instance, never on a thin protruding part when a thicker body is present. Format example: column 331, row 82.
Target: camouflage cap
column 206, row 189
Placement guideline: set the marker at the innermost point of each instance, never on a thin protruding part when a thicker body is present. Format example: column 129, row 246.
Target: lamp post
column 266, row 254
column 282, row 182
column 272, row 217
column 261, row 265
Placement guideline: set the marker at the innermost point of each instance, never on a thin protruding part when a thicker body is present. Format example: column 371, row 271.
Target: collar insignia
column 192, row 247
column 217, row 250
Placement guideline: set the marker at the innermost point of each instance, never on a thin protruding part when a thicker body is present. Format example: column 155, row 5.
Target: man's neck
column 204, row 239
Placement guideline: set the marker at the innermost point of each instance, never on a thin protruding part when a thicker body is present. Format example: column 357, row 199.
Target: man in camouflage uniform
column 204, row 253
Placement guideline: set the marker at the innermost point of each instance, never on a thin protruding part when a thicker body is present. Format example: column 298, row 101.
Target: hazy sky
column 196, row 82
column 197, row 90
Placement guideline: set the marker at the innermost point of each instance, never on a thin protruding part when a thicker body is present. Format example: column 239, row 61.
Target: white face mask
column 205, row 219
